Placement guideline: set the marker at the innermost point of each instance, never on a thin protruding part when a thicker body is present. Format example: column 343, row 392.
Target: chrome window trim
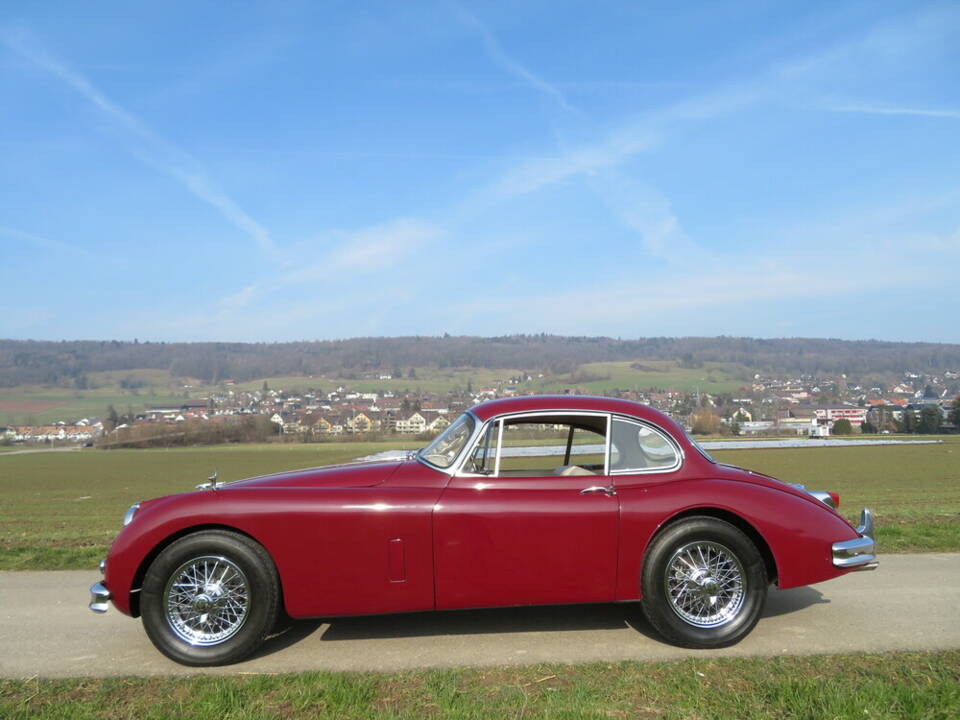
column 608, row 446
column 472, row 444
column 681, row 456
column 496, row 462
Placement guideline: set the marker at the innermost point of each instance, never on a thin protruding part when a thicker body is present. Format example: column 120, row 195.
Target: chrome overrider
column 99, row 598
column 859, row 553
column 99, row 595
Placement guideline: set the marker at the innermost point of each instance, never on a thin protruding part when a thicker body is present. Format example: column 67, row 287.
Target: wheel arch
column 737, row 521
column 172, row 538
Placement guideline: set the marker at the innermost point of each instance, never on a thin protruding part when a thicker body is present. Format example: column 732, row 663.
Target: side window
column 537, row 447
column 638, row 447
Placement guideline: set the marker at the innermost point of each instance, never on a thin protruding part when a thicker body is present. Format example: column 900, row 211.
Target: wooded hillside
column 28, row 361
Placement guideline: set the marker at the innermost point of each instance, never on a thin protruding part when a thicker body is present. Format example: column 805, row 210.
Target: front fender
column 336, row 550
column 155, row 522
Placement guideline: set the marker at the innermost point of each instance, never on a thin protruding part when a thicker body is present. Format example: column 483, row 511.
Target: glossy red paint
column 524, row 541
column 404, row 536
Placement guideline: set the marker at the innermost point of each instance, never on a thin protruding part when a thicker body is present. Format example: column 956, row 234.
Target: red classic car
column 520, row 501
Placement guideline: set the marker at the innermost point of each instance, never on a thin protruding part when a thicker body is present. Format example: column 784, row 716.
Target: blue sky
column 285, row 171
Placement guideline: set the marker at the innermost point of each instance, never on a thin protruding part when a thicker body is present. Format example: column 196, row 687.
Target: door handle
column 606, row 490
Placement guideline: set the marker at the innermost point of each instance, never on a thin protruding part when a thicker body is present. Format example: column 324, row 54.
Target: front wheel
column 210, row 598
column 704, row 583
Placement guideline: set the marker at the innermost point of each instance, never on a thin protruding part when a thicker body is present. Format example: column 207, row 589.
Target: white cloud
column 377, row 247
column 627, row 307
column 799, row 81
column 880, row 110
column 355, row 254
column 43, row 242
column 534, row 174
column 648, row 212
column 511, row 65
column 142, row 141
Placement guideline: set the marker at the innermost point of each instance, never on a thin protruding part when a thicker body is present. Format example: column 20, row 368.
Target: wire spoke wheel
column 206, row 600
column 705, row 583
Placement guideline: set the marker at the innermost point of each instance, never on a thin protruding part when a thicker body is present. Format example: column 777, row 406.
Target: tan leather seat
column 572, row 470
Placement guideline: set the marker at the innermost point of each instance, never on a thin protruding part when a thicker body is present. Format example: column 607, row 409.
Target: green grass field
column 61, row 510
column 711, row 378
column 29, row 404
column 901, row 686
column 433, row 380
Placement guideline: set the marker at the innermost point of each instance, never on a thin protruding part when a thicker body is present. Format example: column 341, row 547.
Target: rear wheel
column 210, row 598
column 704, row 583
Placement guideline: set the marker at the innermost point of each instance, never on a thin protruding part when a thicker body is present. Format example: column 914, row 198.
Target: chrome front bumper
column 859, row 553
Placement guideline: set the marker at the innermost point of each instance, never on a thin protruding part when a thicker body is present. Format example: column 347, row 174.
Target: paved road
column 910, row 603
column 34, row 451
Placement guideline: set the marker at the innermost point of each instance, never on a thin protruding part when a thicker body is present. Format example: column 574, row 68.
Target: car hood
column 366, row 474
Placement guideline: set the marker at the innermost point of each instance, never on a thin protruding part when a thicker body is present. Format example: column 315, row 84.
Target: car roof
column 562, row 403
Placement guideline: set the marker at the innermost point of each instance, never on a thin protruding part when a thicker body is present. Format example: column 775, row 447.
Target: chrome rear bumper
column 859, row 553
column 99, row 598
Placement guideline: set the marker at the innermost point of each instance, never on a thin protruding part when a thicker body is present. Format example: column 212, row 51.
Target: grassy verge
column 894, row 685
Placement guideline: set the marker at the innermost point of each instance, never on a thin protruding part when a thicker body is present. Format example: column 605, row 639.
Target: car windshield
column 444, row 451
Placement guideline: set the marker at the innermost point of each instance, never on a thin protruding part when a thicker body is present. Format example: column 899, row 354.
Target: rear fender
column 798, row 531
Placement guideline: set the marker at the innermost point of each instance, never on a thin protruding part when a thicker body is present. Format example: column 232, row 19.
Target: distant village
column 799, row 406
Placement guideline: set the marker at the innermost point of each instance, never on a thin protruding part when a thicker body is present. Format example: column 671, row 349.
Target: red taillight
column 836, row 499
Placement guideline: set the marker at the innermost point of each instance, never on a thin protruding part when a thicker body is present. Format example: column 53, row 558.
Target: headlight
column 128, row 515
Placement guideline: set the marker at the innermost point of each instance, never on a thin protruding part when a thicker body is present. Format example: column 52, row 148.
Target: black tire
column 210, row 598
column 704, row 583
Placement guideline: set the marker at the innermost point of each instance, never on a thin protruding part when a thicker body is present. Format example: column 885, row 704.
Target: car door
column 510, row 531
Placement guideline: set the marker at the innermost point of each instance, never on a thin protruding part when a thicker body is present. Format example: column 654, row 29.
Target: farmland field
column 660, row 374
column 38, row 404
column 427, row 379
column 61, row 510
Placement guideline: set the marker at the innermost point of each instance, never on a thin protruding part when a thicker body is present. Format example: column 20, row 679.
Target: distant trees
column 704, row 422
column 62, row 363
column 908, row 422
column 842, row 427
column 930, row 420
